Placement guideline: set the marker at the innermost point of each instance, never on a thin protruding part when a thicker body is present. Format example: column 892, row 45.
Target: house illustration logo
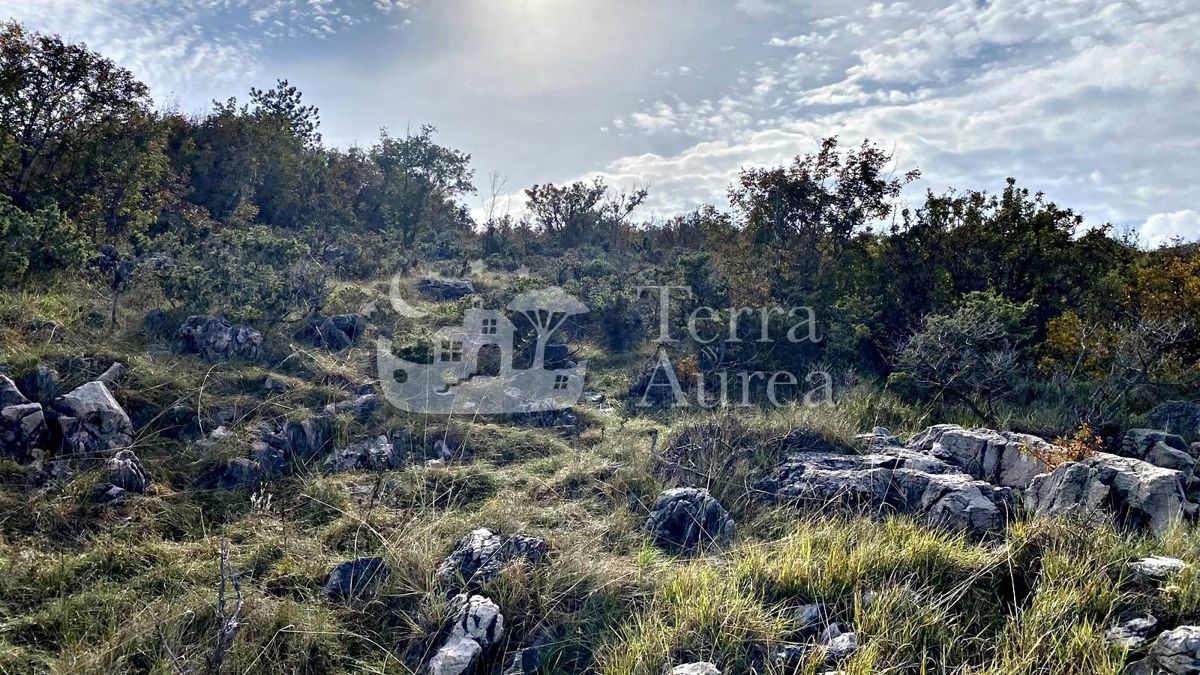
column 472, row 369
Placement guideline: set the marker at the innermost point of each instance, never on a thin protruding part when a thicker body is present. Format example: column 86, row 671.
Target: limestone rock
column 1176, row 652
column 10, row 394
column 1003, row 459
column 697, row 668
column 240, row 473
column 23, row 430
column 478, row 625
column 91, row 420
column 334, row 333
column 1132, row 633
column 1156, row 567
column 894, row 480
column 215, row 339
column 355, row 579
column 481, row 555
column 1138, row 493
column 126, row 472
column 686, row 518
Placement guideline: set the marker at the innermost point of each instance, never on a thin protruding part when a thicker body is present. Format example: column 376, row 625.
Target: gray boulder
column 1156, row 567
column 23, row 430
column 839, row 644
column 1176, row 652
column 1132, row 633
column 112, row 374
column 894, row 480
column 91, row 420
column 478, row 625
column 1178, row 417
column 376, row 455
column 41, row 384
column 215, row 339
column 1137, row 493
column 445, row 289
column 362, row 406
column 687, row 518
column 1003, row 459
column 9, row 393
column 240, row 473
column 126, row 472
column 481, row 555
column 355, row 579
column 697, row 668
column 1165, row 450
column 294, row 441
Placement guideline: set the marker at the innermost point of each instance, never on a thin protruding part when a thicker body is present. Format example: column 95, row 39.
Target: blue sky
column 1090, row 101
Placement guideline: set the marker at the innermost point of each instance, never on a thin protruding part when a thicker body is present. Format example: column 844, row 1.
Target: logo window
column 452, row 350
column 560, row 381
column 490, row 327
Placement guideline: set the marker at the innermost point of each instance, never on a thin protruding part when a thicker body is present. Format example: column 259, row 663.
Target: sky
column 1092, row 102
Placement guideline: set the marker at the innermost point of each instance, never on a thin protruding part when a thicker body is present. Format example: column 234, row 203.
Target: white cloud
column 1163, row 228
column 1089, row 100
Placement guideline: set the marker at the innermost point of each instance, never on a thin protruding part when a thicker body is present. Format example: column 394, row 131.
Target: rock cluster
column 481, row 555
column 215, row 339
column 376, row 455
column 688, row 518
column 1004, row 459
column 893, row 480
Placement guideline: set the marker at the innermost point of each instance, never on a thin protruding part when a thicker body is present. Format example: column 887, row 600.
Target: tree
column 415, row 185
column 798, row 218
column 55, row 98
column 972, row 355
column 582, row 211
column 546, row 309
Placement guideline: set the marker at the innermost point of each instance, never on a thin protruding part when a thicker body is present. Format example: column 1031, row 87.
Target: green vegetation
column 970, row 308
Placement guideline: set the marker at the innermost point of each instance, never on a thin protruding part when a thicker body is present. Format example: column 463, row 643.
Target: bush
column 42, row 240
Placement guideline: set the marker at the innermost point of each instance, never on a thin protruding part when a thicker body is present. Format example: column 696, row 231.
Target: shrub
column 42, row 240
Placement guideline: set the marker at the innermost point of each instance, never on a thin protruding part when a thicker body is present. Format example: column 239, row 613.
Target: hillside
column 272, row 406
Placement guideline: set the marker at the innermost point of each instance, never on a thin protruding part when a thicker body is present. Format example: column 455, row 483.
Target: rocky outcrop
column 478, row 626
column 1138, row 493
column 362, row 406
column 334, row 333
column 355, row 579
column 438, row 288
column 893, row 480
column 215, row 339
column 91, row 421
column 481, row 555
column 1004, row 459
column 376, row 455
column 688, row 518
column 1178, row 417
column 1165, row 450
column 1176, row 652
